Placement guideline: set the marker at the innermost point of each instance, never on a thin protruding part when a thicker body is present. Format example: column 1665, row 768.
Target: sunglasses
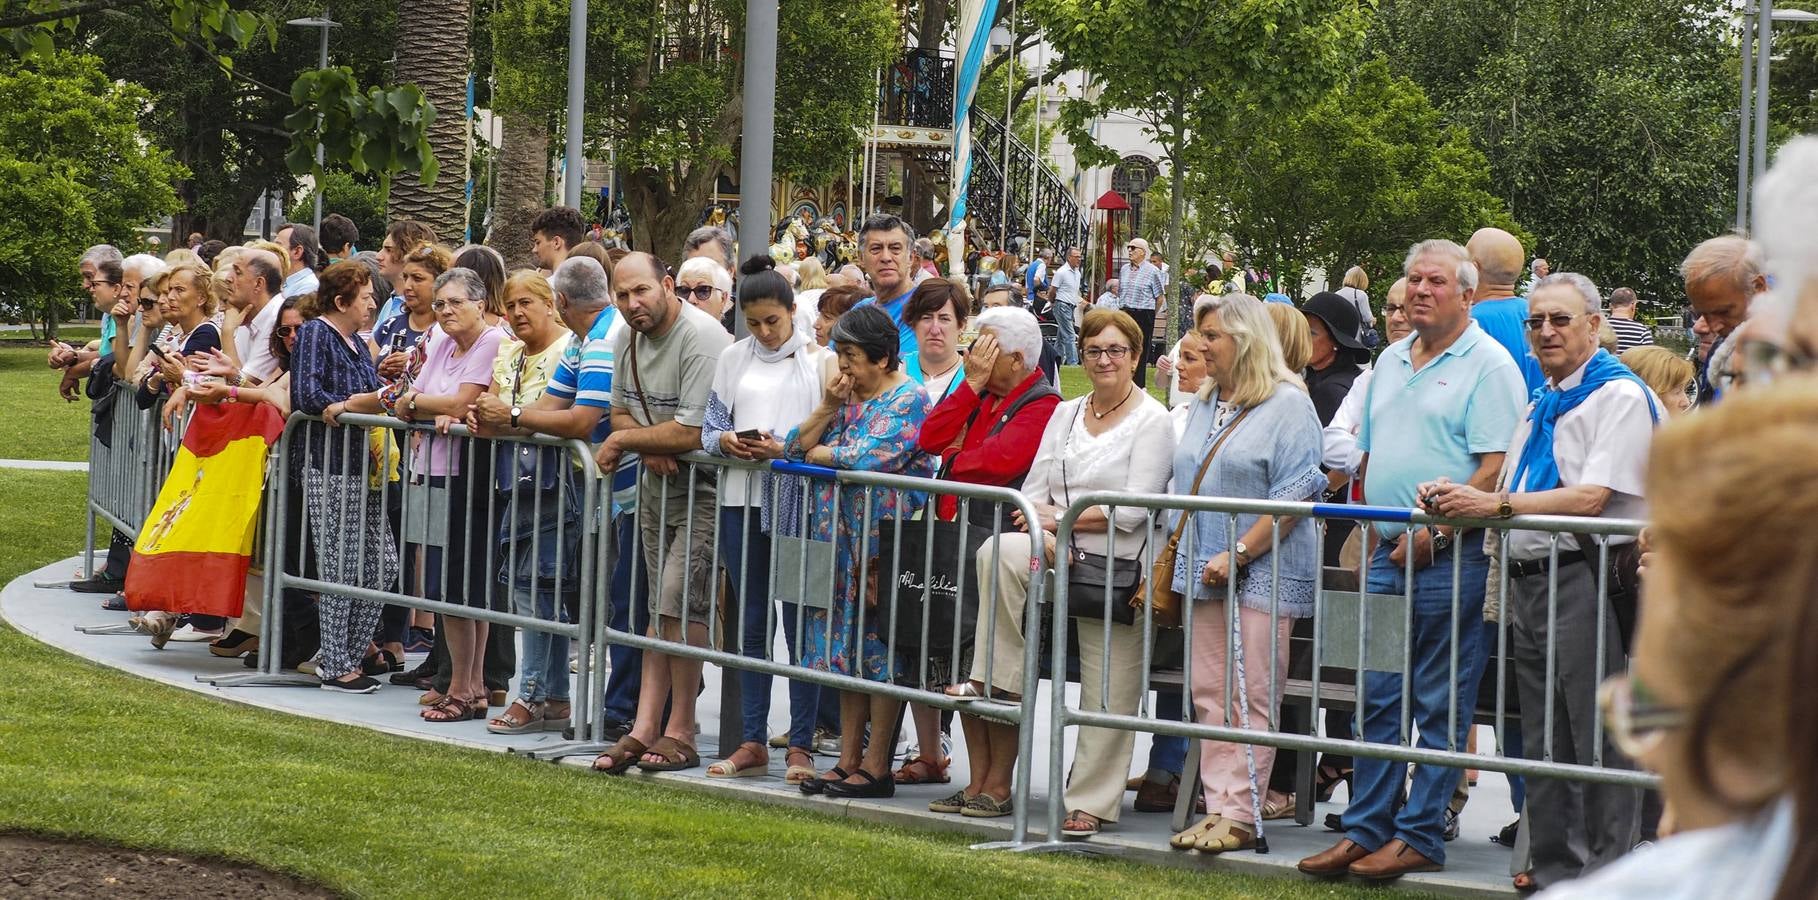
column 700, row 292
column 285, row 331
column 147, row 303
column 1560, row 321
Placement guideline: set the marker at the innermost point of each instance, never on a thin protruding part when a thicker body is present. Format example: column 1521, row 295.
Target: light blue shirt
column 1419, row 426
column 1504, row 321
column 391, row 308
column 302, row 281
column 906, row 343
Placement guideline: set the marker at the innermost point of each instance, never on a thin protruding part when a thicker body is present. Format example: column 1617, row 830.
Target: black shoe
column 872, row 788
column 1334, row 822
column 617, row 728
column 381, row 663
column 1507, row 835
column 100, row 585
column 408, row 678
column 360, row 685
column 818, row 785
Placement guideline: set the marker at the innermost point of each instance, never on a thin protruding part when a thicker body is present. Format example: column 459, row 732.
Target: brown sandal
column 454, row 710
column 620, row 756
column 674, row 754
column 921, row 771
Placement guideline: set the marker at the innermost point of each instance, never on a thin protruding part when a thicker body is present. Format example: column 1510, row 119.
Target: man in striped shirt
column 1630, row 331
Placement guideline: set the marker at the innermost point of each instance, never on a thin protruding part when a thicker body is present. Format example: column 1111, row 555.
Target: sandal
column 972, row 691
column 674, row 754
column 521, row 717
column 985, row 806
column 1080, row 825
column 729, row 768
column 1227, row 835
column 431, row 697
column 556, row 714
column 620, row 756
column 1278, row 809
column 454, row 709
column 1329, row 779
column 1187, row 839
column 797, row 773
column 921, row 771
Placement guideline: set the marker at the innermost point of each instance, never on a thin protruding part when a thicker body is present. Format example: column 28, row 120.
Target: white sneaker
column 189, row 634
column 308, row 666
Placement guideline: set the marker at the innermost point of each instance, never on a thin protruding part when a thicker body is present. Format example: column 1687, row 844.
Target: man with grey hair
column 1441, row 409
column 712, row 242
column 1069, row 293
column 1581, row 451
column 304, row 254
column 1722, row 277
column 923, row 265
column 1140, row 296
column 252, row 313
column 100, row 266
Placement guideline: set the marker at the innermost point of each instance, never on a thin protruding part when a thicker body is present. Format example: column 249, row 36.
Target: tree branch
column 67, row 12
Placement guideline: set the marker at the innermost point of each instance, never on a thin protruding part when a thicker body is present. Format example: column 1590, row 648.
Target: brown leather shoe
column 1335, row 861
column 1157, row 796
column 1393, row 860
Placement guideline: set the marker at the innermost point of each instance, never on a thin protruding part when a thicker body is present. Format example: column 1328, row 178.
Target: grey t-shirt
column 667, row 379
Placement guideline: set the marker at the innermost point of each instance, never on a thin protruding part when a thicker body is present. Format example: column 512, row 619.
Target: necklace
column 1120, row 404
column 932, row 376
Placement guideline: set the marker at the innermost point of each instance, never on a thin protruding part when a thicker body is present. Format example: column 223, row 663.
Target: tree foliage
column 1609, row 125
column 1355, row 180
column 75, row 170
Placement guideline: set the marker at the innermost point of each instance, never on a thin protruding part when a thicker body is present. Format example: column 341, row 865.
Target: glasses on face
column 93, row 283
column 285, row 331
column 1113, row 353
column 1559, row 321
column 147, row 303
column 1765, row 361
column 700, row 293
column 1636, row 719
column 1393, row 309
column 439, row 305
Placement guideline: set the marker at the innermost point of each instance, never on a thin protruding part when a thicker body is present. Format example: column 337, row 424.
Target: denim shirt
column 1272, row 455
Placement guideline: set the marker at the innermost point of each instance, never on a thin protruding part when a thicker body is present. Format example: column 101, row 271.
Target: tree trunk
column 660, row 217
column 432, row 54
column 523, row 167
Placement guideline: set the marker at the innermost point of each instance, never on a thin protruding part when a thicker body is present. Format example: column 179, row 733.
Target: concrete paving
column 38, row 605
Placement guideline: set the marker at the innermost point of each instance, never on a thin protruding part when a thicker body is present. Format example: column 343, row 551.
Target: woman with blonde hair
column 1356, row 283
column 1666, row 373
column 1292, row 331
column 1728, row 582
column 813, row 275
column 1251, row 433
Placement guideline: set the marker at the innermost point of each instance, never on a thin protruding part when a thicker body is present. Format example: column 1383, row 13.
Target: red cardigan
column 981, row 457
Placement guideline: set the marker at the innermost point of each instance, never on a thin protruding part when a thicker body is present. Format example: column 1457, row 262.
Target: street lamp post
column 325, row 23
column 1751, row 156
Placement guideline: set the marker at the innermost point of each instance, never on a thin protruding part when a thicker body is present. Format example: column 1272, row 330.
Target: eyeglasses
column 147, row 303
column 285, row 331
column 1115, row 353
column 1559, row 320
column 700, row 292
column 1764, row 361
column 439, row 305
column 1636, row 719
column 1393, row 309
column 98, row 282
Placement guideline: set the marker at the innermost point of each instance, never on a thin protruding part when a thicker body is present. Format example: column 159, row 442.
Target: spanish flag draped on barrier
column 194, row 549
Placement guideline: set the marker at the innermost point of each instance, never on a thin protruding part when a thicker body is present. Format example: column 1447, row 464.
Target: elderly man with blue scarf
column 1581, row 452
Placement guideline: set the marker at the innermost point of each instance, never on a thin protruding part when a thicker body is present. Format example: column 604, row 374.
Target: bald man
column 1499, row 256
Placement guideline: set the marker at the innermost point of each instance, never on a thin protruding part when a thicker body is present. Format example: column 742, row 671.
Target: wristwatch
column 1241, row 553
column 410, row 403
column 1441, row 541
column 515, row 412
column 1504, row 509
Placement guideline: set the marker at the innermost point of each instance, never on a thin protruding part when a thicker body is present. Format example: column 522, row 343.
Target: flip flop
column 676, row 756
column 620, row 756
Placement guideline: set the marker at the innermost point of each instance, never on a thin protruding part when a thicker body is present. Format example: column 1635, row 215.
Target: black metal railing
column 1059, row 219
column 918, row 90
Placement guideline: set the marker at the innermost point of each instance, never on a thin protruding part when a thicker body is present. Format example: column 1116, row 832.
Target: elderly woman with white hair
column 706, row 285
column 1251, row 433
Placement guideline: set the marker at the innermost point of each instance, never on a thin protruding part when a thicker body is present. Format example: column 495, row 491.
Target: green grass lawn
column 35, row 423
column 94, row 753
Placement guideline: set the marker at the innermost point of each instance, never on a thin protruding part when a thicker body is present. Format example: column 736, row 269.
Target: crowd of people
column 1479, row 404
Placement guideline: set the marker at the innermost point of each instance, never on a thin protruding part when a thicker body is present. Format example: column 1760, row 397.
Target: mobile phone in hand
column 159, row 351
column 751, row 434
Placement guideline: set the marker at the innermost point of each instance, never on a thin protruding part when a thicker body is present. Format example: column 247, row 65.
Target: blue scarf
column 1549, row 404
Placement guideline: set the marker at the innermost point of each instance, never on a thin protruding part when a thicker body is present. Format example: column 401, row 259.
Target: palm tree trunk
column 523, row 167
column 432, row 54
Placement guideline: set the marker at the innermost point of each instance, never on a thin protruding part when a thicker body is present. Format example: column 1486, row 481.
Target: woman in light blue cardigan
column 1270, row 450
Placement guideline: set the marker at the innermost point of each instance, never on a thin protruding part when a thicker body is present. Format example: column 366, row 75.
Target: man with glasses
column 1140, row 288
column 1441, row 408
column 1582, row 451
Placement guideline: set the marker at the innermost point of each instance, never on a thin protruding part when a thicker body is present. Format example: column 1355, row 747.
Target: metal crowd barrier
column 125, row 470
column 1373, row 651
column 1353, row 629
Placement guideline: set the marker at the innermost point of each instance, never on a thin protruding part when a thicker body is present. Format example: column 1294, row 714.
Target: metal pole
column 577, row 83
column 1035, row 168
column 1744, row 134
column 321, row 63
column 760, row 131
column 1763, row 55
column 1003, row 205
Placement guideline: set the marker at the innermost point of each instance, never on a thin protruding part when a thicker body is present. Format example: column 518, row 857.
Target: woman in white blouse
column 1116, row 438
column 765, row 385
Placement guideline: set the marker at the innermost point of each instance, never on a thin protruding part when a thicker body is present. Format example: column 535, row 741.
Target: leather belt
column 1522, row 568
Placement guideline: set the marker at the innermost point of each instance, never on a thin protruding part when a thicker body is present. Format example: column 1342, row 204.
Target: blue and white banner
column 975, row 21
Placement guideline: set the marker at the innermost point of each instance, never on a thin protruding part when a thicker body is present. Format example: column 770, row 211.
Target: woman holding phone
column 765, row 385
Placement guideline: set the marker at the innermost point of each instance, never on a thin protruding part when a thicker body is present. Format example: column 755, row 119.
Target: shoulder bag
column 1160, row 588
column 1093, row 574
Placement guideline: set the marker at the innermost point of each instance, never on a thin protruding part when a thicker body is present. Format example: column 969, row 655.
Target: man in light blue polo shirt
column 885, row 242
column 1443, row 405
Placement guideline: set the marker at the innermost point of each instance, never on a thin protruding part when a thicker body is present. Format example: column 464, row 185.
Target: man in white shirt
column 305, row 252
column 252, row 313
column 1582, row 451
column 1066, row 302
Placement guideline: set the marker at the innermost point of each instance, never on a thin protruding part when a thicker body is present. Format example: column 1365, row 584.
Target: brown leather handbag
column 1160, row 586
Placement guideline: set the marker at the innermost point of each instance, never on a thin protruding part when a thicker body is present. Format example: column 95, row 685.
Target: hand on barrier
column 210, row 392
column 659, row 464
column 608, row 455
column 443, row 423
column 488, row 410
column 332, row 414
column 1458, row 501
column 765, row 447
column 819, row 455
column 733, row 446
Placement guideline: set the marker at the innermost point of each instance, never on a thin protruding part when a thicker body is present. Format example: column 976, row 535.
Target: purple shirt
column 445, row 369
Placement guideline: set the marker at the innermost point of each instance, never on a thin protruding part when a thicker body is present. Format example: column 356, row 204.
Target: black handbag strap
column 1067, row 489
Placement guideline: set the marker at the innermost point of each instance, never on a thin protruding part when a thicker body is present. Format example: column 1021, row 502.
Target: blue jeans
column 745, row 552
column 1068, row 351
column 630, row 614
column 1372, row 819
column 1166, row 752
column 543, row 668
